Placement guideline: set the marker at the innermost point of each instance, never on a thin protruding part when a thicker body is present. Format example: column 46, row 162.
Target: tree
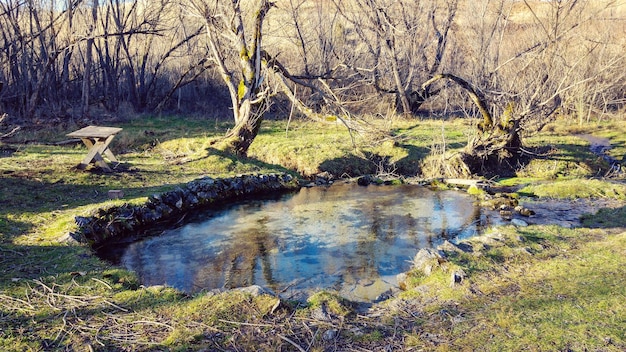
column 527, row 71
column 89, row 59
column 234, row 35
column 405, row 43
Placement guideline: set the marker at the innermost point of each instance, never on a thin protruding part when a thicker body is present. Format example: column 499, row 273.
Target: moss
column 241, row 90
column 244, row 54
column 333, row 302
column 476, row 191
column 606, row 218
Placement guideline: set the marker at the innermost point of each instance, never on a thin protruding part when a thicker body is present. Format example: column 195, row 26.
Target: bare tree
column 89, row 59
column 405, row 43
column 234, row 36
column 530, row 68
column 137, row 48
column 84, row 52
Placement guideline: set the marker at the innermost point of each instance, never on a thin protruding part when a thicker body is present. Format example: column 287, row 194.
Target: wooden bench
column 97, row 140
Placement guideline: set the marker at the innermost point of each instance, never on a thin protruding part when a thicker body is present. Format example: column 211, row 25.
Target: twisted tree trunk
column 497, row 148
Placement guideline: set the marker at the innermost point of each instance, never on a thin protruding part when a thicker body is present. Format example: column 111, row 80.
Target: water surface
column 347, row 238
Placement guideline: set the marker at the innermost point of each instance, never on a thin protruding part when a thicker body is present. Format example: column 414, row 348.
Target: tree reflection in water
column 346, row 237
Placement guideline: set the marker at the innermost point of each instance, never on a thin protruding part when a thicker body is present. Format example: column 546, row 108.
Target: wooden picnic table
column 97, row 140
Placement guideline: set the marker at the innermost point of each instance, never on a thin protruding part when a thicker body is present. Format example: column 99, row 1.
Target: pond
column 346, row 237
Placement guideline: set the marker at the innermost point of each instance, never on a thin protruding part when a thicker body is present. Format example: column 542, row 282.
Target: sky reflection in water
column 348, row 238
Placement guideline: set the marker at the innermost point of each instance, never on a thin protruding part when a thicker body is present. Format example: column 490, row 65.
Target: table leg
column 96, row 148
column 90, row 154
column 107, row 151
column 98, row 160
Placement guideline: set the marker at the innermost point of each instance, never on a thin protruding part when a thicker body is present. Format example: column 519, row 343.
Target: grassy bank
column 539, row 287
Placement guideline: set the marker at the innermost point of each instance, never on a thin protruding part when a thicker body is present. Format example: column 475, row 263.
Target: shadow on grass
column 348, row 166
column 409, row 165
column 573, row 153
column 373, row 163
column 23, row 198
column 252, row 161
column 606, row 218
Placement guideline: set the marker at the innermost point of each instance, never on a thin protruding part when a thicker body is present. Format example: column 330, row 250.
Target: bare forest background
column 63, row 61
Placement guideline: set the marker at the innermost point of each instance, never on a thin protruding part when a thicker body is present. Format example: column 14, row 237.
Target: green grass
column 571, row 301
column 567, row 295
column 552, row 290
column 577, row 188
column 562, row 156
column 311, row 149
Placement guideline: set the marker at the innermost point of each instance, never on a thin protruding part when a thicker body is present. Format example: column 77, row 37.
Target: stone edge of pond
column 119, row 222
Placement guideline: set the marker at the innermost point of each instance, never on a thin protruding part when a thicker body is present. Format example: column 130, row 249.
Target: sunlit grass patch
column 330, row 302
column 396, row 149
column 567, row 294
column 200, row 317
column 578, row 188
column 571, row 301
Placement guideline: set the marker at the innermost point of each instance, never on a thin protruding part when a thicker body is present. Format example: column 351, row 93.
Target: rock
column 323, row 178
column 524, row 211
column 466, row 247
column 365, row 180
column 321, row 313
column 506, row 214
column 127, row 220
column 356, row 331
column 489, row 239
column 330, row 335
column 256, row 290
column 427, row 259
column 449, row 247
column 457, row 277
column 384, row 296
column 519, row 223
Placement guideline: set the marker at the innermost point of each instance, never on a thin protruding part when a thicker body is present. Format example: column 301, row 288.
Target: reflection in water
column 345, row 237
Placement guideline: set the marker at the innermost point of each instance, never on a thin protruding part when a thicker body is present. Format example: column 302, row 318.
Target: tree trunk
column 89, row 60
column 244, row 84
column 497, row 151
column 246, row 129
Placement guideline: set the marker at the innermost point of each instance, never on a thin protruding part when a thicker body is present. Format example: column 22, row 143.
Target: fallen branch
column 291, row 342
column 465, row 182
column 28, row 306
column 246, row 324
column 6, row 135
